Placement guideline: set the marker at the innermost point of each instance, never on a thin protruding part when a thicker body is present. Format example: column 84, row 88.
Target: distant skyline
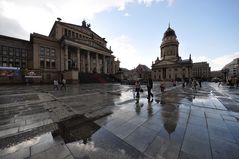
column 208, row 30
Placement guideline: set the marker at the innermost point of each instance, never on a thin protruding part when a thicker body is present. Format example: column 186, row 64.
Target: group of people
column 138, row 89
column 191, row 82
column 56, row 84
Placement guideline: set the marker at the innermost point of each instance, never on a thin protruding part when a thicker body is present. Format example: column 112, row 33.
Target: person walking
column 55, row 83
column 149, row 88
column 137, row 89
column 162, row 87
column 63, row 84
column 194, row 84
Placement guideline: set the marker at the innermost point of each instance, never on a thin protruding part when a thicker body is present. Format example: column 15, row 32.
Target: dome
column 169, row 32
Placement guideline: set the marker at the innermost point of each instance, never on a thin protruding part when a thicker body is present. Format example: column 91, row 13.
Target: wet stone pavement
column 93, row 121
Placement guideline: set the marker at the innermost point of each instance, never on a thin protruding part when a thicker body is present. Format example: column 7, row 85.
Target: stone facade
column 170, row 66
column 68, row 50
column 231, row 69
column 201, row 70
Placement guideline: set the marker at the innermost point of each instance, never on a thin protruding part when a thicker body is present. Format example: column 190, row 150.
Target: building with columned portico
column 67, row 51
column 170, row 66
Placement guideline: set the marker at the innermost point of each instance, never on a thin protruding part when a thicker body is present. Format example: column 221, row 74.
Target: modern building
column 170, row 66
column 231, row 69
column 67, row 51
column 201, row 70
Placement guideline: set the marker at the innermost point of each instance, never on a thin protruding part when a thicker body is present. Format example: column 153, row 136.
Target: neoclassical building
column 67, row 51
column 170, row 66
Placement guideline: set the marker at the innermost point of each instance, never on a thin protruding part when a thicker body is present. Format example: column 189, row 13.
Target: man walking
column 149, row 88
column 63, row 82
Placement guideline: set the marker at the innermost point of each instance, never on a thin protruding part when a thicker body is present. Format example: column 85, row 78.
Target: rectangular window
column 23, row 63
column 73, row 34
column 53, row 63
column 4, row 59
column 65, row 32
column 77, row 35
column 42, row 62
column 4, row 64
column 17, row 62
column 17, row 52
column 69, row 33
column 53, row 52
column 0, row 50
column 47, row 52
column 24, row 54
column 42, row 51
column 10, row 51
column 4, row 50
column 47, row 63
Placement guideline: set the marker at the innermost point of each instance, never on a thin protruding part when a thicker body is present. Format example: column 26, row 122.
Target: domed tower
column 169, row 46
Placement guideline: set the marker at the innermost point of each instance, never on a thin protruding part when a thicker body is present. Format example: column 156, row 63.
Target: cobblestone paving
column 103, row 121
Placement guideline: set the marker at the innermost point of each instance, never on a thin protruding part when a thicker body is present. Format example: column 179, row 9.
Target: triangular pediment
column 166, row 62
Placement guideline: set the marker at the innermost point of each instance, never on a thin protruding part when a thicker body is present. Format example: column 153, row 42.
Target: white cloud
column 126, row 14
column 150, row 2
column 38, row 16
column 219, row 62
column 126, row 52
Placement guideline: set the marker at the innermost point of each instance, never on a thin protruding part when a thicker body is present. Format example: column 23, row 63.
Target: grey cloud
column 10, row 27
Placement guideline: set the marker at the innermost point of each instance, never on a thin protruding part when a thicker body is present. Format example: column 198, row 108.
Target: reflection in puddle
column 169, row 113
column 76, row 128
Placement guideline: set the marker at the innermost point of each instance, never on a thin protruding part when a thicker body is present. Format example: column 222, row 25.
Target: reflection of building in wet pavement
column 170, row 113
column 76, row 128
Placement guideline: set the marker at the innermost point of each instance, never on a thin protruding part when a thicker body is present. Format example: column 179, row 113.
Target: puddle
column 83, row 138
column 76, row 128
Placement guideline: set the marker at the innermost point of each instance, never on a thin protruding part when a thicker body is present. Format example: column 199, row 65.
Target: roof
column 74, row 25
column 169, row 32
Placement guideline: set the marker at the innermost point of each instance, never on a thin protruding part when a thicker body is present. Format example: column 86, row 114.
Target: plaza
column 103, row 121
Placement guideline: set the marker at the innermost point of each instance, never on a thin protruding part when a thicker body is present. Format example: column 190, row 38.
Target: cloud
column 148, row 3
column 126, row 52
column 38, row 16
column 126, row 14
column 10, row 27
column 219, row 62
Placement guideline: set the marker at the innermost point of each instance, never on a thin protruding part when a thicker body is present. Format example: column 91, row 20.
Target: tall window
column 17, row 52
column 42, row 51
column 24, row 53
column 10, row 51
column 53, row 63
column 47, row 57
column 42, row 62
column 47, row 63
column 4, row 50
column 47, row 52
column 17, row 62
column 53, row 52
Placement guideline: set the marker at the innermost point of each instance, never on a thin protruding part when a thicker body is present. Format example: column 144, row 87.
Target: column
column 78, row 59
column 88, row 61
column 104, row 65
column 97, row 63
column 66, row 58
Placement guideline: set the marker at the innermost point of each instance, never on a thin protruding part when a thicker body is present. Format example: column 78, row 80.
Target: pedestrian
column 63, row 84
column 183, row 85
column 200, row 83
column 55, row 82
column 149, row 88
column 219, row 83
column 162, row 87
column 137, row 89
column 194, row 84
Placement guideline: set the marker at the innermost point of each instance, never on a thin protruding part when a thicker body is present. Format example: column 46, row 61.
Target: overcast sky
column 206, row 29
